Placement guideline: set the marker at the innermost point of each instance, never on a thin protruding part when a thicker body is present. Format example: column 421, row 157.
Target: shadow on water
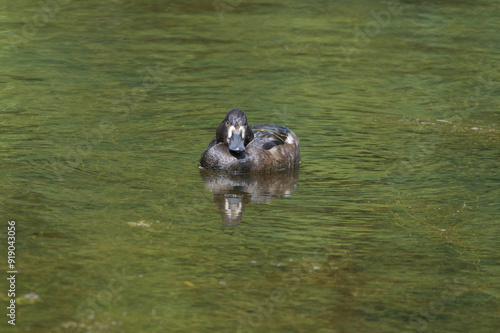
column 232, row 192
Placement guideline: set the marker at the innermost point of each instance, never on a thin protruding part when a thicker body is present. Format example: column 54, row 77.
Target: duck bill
column 236, row 143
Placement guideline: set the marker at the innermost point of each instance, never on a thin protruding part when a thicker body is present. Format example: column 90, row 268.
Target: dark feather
column 270, row 136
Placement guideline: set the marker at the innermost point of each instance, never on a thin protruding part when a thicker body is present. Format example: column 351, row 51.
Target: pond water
column 389, row 225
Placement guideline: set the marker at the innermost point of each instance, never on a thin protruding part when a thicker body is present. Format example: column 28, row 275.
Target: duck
column 242, row 148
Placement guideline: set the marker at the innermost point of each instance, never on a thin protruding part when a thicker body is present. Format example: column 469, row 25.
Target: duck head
column 234, row 131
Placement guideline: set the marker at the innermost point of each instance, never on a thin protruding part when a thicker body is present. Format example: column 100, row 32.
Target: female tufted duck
column 238, row 147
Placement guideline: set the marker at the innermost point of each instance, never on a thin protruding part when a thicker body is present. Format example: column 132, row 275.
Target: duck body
column 239, row 147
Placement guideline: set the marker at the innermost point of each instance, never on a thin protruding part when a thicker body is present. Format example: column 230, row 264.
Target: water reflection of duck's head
column 233, row 191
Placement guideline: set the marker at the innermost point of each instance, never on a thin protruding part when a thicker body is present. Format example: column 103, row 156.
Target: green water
column 390, row 225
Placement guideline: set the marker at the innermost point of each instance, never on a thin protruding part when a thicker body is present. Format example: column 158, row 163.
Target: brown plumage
column 239, row 147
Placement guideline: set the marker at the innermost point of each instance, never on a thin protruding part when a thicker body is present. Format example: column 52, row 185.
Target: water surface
column 390, row 225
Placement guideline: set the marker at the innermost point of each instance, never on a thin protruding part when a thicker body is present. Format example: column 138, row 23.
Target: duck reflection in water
column 233, row 191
